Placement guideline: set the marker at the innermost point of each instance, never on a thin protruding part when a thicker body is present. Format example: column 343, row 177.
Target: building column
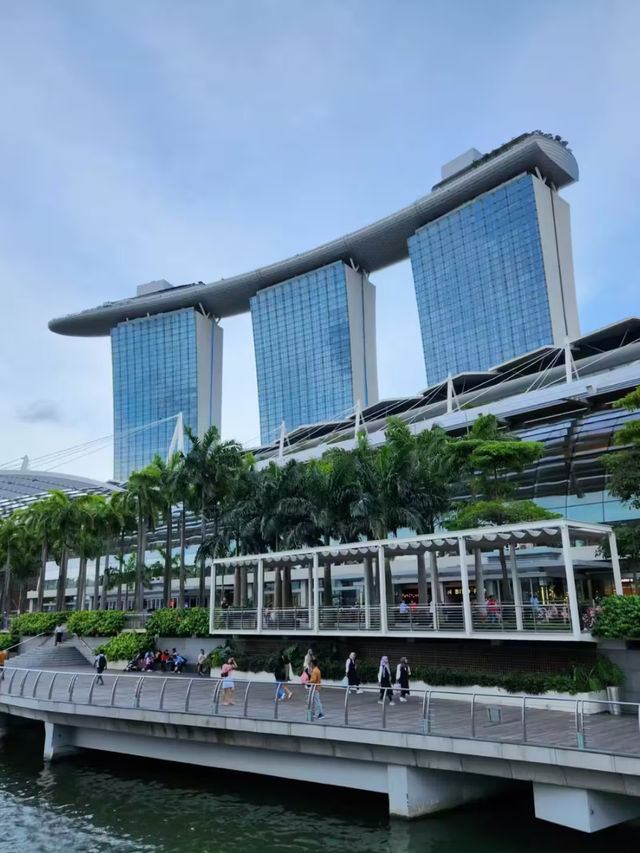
column 259, row 596
column 382, row 581
column 571, row 582
column 517, row 589
column 316, row 592
column 415, row 791
column 464, row 582
column 479, row 576
column 367, row 592
column 435, row 586
column 58, row 741
column 615, row 563
column 423, row 595
column 579, row 808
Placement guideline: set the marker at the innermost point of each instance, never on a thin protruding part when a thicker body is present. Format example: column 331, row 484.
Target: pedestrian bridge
column 435, row 751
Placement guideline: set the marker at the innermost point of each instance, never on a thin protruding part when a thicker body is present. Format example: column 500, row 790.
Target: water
column 110, row 803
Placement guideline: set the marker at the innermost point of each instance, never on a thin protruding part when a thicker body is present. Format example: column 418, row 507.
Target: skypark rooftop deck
column 371, row 248
column 536, row 580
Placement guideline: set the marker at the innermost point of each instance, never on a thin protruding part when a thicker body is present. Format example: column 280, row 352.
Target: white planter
column 486, row 695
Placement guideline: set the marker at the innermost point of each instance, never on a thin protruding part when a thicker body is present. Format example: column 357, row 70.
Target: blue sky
column 195, row 140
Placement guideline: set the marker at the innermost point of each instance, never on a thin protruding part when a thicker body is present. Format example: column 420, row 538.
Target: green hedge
column 96, row 623
column 36, row 623
column 125, row 646
column 179, row 622
column 619, row 617
column 7, row 640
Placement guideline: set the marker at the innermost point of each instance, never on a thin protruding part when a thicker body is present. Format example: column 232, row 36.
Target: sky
column 196, row 140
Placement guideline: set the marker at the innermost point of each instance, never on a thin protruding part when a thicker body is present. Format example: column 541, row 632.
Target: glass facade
column 154, row 378
column 303, row 351
column 480, row 282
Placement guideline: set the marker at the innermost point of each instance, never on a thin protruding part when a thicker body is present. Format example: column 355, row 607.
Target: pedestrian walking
column 307, row 666
column 403, row 671
column 101, row 665
column 58, row 635
column 316, row 681
column 281, row 673
column 227, row 681
column 351, row 673
column 200, row 662
column 384, row 680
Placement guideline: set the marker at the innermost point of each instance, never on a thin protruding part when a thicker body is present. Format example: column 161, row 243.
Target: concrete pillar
column 571, row 582
column 464, row 582
column 435, row 584
column 58, row 741
column 382, row 581
column 579, row 808
column 423, row 597
column 367, row 592
column 615, row 563
column 316, row 593
column 414, row 791
column 258, row 596
column 479, row 573
column 517, row 589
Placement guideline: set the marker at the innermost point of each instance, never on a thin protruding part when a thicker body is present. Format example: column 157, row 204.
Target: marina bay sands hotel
column 490, row 251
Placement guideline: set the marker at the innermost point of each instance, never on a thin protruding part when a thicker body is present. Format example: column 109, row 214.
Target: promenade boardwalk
column 480, row 718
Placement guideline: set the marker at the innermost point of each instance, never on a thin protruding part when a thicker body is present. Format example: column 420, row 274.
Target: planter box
column 486, row 695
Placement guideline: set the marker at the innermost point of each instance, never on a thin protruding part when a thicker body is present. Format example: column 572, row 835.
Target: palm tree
column 210, row 466
column 87, row 538
column 169, row 485
column 120, row 520
column 21, row 552
column 143, row 495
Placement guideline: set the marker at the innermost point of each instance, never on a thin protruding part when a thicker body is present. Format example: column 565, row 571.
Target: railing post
column 426, row 711
column 245, row 703
column 136, row 695
column 35, row 686
column 524, row 719
column 215, row 699
column 93, row 684
column 162, row 690
column 312, row 690
column 473, row 715
column 53, row 681
column 113, row 691
column 186, row 698
column 384, row 709
column 275, row 704
column 346, row 706
column 579, row 733
column 72, row 684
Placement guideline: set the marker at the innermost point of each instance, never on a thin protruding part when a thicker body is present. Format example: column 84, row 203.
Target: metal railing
column 589, row 724
column 402, row 618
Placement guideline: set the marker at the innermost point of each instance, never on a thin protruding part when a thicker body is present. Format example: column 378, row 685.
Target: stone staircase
column 43, row 654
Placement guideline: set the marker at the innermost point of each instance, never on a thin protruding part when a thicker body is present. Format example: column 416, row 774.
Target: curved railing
column 571, row 723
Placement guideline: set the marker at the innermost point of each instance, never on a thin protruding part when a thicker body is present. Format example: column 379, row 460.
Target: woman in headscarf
column 307, row 666
column 351, row 671
column 384, row 680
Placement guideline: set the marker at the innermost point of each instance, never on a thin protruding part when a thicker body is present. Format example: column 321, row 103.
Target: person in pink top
column 227, row 681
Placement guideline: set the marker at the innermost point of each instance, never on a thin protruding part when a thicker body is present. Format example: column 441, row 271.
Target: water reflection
column 110, row 803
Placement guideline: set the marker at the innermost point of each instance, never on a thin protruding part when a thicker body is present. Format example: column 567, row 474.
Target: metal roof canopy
column 18, row 489
column 486, row 538
column 371, row 248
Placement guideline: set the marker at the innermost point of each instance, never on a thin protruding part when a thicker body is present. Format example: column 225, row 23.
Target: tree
column 86, row 537
column 211, row 465
column 170, row 481
column 491, row 457
column 143, row 496
column 623, row 466
column 20, row 556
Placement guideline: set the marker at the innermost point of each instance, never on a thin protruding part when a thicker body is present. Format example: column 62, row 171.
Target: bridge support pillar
column 414, row 791
column 59, row 741
column 582, row 809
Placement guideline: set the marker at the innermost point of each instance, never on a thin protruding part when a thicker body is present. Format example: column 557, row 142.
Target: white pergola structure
column 481, row 616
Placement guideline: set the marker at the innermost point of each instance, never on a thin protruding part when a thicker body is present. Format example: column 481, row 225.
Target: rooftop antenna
column 177, row 439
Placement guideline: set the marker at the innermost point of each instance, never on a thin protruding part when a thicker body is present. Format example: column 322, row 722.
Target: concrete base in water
column 579, row 808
